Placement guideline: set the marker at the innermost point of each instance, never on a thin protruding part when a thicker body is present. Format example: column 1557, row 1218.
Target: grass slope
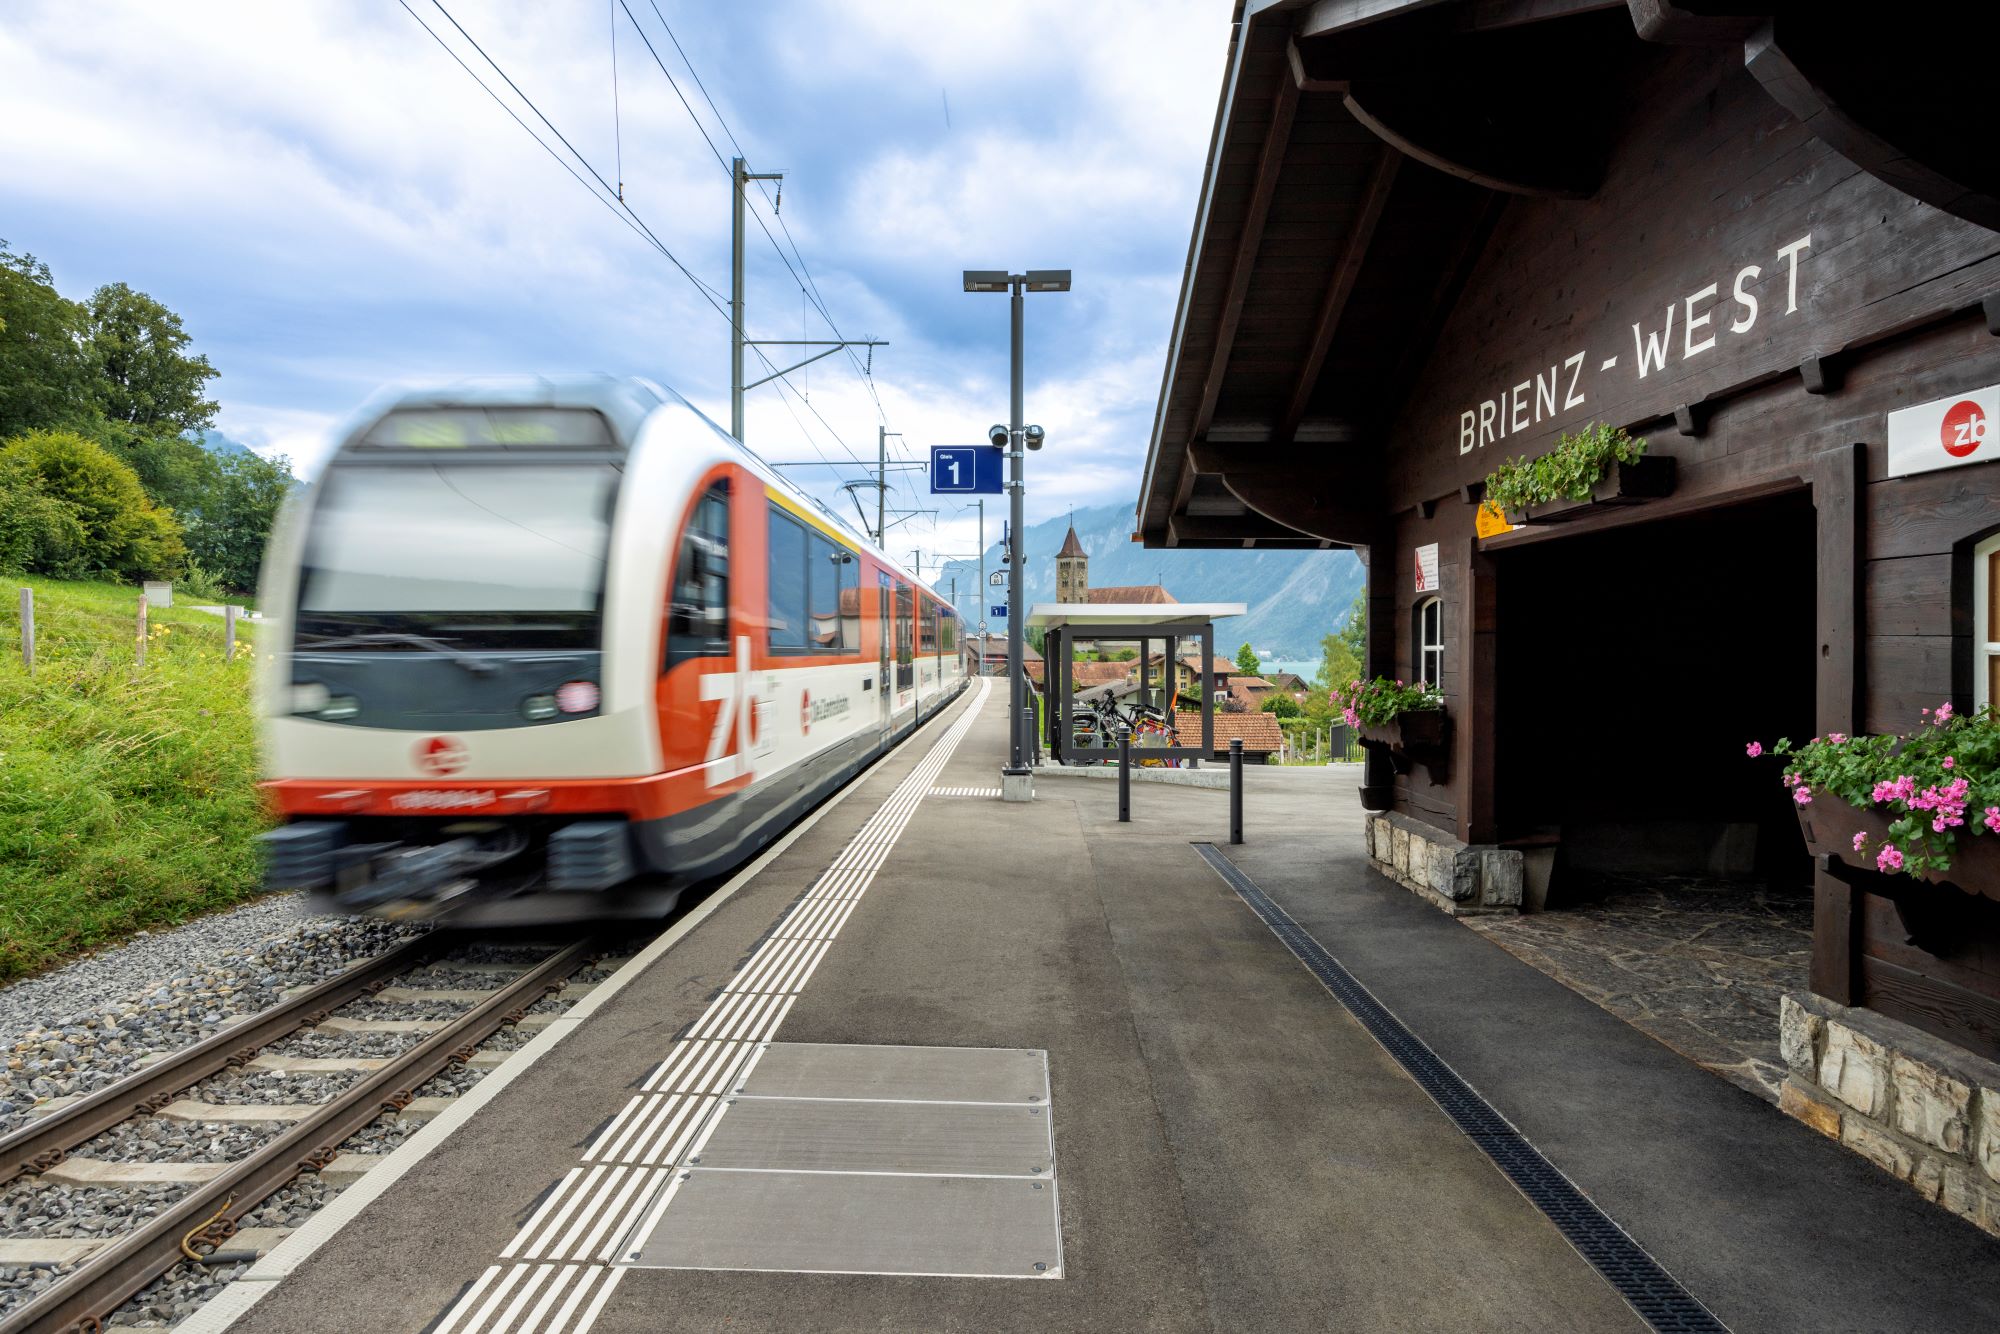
column 127, row 797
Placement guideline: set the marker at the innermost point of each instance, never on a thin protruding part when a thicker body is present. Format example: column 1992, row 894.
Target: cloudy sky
column 332, row 203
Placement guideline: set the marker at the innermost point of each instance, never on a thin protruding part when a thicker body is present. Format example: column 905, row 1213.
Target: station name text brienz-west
column 1692, row 326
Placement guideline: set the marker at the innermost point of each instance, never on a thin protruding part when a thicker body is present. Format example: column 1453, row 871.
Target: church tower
column 1072, row 570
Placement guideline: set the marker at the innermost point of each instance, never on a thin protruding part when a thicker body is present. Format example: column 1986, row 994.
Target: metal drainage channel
column 1638, row 1278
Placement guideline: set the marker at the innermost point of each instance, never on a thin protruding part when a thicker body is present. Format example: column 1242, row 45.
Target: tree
column 229, row 525
column 145, row 375
column 175, row 470
column 1247, row 661
column 123, row 534
column 1281, row 704
column 1337, row 665
column 46, row 377
column 1354, row 635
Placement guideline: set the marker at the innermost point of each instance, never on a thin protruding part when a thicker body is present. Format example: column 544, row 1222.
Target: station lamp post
column 1014, row 779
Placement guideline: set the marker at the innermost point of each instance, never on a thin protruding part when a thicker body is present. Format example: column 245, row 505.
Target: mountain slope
column 1292, row 597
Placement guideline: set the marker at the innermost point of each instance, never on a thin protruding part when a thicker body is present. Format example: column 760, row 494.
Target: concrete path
column 1233, row 1151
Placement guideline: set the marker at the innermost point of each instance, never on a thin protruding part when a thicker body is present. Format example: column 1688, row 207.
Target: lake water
column 1303, row 666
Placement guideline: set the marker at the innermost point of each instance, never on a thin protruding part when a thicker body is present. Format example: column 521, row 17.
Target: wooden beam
column 1839, row 487
column 1239, row 531
column 1270, row 164
column 1338, row 289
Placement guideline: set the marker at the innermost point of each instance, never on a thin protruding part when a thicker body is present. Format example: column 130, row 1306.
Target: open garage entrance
column 1633, row 666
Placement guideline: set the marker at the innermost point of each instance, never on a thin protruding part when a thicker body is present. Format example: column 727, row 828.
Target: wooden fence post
column 139, row 639
column 28, row 629
column 229, row 631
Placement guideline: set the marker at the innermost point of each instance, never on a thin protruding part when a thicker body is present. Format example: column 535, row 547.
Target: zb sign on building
column 1944, row 433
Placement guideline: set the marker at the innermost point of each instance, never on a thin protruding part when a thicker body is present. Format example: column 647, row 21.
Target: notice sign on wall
column 1945, row 433
column 1427, row 568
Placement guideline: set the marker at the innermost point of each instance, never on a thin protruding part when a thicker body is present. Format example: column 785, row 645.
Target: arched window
column 1986, row 623
column 1430, row 641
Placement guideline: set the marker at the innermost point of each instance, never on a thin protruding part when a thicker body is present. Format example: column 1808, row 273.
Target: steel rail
column 112, row 1275
column 43, row 1143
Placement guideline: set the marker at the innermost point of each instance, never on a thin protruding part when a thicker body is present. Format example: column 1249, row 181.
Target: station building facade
column 1434, row 236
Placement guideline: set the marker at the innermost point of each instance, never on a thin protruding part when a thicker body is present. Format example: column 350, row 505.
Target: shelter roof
column 1083, row 615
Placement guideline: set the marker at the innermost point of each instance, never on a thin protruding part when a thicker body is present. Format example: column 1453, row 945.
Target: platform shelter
column 1143, row 625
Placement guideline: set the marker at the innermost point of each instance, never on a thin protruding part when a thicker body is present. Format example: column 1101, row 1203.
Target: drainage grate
column 1638, row 1278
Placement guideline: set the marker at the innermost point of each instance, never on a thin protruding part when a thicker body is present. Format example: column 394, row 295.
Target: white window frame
column 1986, row 637
column 1426, row 646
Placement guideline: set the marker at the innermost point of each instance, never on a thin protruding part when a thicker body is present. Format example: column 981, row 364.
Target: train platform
column 940, row 1062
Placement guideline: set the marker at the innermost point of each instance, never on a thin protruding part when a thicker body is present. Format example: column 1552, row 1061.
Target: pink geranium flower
column 1993, row 818
column 1860, row 839
column 1949, row 762
column 1754, row 749
column 1888, row 859
column 1803, row 796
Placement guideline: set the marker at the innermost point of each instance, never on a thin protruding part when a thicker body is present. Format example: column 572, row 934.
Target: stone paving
column 1699, row 965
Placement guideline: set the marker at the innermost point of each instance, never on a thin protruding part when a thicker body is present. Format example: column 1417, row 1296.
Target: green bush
column 123, row 534
column 37, row 531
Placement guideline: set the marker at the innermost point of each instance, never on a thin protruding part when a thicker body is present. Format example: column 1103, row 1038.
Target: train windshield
column 457, row 555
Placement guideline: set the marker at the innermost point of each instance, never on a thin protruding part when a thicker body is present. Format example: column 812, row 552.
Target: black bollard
column 1236, row 789
column 1124, row 774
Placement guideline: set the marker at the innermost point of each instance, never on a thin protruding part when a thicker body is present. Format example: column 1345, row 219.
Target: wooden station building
column 1434, row 234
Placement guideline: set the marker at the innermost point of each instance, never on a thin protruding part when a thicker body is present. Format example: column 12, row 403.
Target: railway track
column 208, row 1214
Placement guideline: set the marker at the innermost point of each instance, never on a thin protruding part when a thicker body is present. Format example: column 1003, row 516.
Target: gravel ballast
column 86, row 1024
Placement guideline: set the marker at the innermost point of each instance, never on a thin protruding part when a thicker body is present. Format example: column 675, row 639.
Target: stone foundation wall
column 1922, row 1110
column 1459, row 878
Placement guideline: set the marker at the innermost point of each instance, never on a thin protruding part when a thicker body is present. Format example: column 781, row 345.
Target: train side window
column 789, row 584
column 698, row 615
column 833, row 572
column 948, row 631
column 928, row 628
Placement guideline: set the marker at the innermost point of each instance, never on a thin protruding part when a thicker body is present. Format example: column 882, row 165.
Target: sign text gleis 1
column 1702, row 317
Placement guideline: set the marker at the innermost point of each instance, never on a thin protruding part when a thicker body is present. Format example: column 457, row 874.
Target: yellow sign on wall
column 1490, row 522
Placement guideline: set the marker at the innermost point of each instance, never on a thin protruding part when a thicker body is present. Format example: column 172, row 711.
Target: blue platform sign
column 998, row 612
column 967, row 470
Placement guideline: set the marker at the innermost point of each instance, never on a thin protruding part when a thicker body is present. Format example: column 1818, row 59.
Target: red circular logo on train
column 1963, row 429
column 805, row 712
column 441, row 756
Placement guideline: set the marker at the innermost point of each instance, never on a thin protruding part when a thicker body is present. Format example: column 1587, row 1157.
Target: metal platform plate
column 845, row 1135
column 970, row 1227
column 918, row 1074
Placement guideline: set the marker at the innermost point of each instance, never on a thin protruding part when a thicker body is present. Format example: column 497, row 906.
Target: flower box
column 1419, row 736
column 1830, row 824
column 1648, row 478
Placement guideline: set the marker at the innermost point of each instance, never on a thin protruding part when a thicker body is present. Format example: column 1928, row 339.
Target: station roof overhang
column 1362, row 153
column 1167, row 618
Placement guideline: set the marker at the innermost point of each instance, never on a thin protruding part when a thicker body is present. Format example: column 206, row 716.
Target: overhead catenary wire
column 802, row 274
column 610, row 197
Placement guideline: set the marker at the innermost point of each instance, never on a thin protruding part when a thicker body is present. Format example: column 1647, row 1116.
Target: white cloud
column 331, row 203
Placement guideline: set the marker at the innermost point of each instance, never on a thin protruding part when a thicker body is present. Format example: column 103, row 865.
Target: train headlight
column 340, row 708
column 577, row 696
column 538, row 708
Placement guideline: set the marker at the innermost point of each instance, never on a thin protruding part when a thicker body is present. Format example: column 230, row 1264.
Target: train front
column 448, row 719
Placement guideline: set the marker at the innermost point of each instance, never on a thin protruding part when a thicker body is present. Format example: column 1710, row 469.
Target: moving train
column 553, row 649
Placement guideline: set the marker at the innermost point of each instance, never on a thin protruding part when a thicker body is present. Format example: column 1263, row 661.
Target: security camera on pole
column 1016, row 783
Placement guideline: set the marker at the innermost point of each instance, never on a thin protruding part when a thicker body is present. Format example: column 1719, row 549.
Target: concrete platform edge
column 234, row 1301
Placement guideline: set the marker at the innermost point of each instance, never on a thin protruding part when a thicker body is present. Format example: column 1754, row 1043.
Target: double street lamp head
column 999, row 280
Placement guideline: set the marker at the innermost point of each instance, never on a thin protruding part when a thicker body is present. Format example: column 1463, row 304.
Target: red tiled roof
column 1218, row 666
column 1258, row 730
column 1083, row 674
column 1127, row 594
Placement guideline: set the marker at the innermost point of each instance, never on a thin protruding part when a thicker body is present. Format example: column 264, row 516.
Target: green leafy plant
column 1381, row 701
column 1567, row 472
column 1934, row 785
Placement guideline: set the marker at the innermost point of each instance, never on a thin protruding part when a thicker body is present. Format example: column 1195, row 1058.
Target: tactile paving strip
column 1633, row 1274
